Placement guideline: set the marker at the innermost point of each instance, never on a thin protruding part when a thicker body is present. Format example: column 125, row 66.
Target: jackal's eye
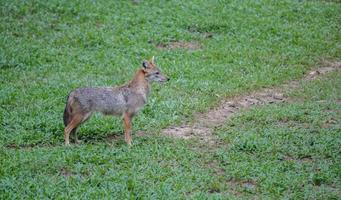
column 157, row 73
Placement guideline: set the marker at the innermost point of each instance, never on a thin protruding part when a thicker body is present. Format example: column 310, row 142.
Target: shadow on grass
column 86, row 138
column 116, row 138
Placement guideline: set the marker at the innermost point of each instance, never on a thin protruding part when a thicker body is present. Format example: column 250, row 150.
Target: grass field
column 289, row 150
column 225, row 48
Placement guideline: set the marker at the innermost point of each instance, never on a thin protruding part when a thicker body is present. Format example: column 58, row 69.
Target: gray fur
column 108, row 100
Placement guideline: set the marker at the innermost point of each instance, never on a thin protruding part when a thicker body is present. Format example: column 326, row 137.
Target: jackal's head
column 152, row 72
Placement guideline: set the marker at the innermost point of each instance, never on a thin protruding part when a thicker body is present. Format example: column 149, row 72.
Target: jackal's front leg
column 127, row 117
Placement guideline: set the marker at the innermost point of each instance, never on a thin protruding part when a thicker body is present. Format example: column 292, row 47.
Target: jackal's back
column 109, row 101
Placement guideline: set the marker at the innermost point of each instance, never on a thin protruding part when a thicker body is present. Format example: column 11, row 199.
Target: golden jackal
column 125, row 100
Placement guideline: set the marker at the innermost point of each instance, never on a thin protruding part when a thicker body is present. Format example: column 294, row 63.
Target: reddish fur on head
column 152, row 72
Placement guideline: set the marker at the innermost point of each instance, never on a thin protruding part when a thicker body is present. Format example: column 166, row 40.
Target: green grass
column 153, row 168
column 288, row 150
column 48, row 48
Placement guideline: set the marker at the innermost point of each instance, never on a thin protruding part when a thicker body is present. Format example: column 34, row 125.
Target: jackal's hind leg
column 74, row 131
column 74, row 123
column 75, row 136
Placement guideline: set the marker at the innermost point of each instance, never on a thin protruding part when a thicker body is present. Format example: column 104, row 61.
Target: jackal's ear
column 152, row 60
column 145, row 64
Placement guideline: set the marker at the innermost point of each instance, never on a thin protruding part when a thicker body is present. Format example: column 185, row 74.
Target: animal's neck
column 140, row 82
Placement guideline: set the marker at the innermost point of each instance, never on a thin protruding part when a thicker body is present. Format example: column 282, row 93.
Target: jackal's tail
column 67, row 112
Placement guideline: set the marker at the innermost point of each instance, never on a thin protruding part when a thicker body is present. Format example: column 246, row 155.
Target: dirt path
column 204, row 123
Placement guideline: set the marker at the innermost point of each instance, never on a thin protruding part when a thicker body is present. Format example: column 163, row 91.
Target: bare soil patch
column 204, row 123
column 15, row 146
column 205, row 34
column 303, row 159
column 66, row 172
column 235, row 186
